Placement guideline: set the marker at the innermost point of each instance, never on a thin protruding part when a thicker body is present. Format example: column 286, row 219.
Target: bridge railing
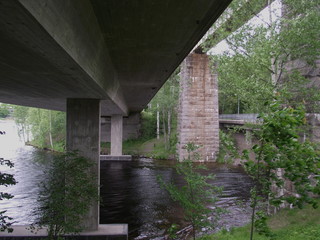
column 240, row 119
column 245, row 118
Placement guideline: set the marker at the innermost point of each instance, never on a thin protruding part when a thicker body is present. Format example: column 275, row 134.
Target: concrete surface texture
column 198, row 116
column 83, row 135
column 116, row 135
column 120, row 52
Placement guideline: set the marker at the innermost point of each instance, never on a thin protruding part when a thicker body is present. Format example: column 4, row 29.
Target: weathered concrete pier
column 198, row 115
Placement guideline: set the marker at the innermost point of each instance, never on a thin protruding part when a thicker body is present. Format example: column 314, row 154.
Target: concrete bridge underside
column 120, row 52
column 94, row 58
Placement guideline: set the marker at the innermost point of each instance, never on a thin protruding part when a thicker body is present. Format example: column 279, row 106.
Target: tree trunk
column 28, row 133
column 158, row 122
column 238, row 104
column 169, row 124
column 164, row 130
column 50, row 129
column 23, row 132
column 274, row 77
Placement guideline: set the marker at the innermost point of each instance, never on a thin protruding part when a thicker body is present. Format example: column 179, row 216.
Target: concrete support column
column 116, row 135
column 198, row 116
column 83, row 134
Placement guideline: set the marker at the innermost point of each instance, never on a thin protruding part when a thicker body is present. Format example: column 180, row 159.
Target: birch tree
column 166, row 104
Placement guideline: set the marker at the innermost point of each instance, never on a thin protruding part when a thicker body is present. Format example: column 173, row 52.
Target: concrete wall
column 131, row 127
column 198, row 117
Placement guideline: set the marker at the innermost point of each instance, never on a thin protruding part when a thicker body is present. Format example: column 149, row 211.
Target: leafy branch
column 66, row 197
column 6, row 180
column 282, row 158
column 196, row 193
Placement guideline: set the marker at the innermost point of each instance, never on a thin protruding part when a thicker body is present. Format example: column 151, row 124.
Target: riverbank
column 288, row 224
column 152, row 148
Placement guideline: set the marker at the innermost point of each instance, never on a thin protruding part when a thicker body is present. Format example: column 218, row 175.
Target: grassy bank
column 153, row 148
column 288, row 224
column 57, row 146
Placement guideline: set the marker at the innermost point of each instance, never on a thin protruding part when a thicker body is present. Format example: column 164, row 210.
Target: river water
column 129, row 190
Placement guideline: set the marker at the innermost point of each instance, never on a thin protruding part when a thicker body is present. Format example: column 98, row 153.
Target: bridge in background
column 94, row 58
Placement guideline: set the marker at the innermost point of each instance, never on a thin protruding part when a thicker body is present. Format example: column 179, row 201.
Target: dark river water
column 129, row 190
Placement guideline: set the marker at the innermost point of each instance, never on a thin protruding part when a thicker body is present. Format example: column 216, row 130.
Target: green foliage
column 46, row 127
column 227, row 148
column 4, row 111
column 172, row 231
column 164, row 104
column 167, row 97
column 261, row 226
column 6, row 180
column 66, row 196
column 148, row 125
column 20, row 115
column 279, row 150
column 196, row 193
column 152, row 148
column 161, row 151
column 288, row 224
column 237, row 13
column 262, row 58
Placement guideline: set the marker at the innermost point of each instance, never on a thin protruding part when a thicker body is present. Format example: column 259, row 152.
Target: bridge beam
column 83, row 134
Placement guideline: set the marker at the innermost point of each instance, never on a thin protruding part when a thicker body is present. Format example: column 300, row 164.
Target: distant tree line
column 41, row 127
column 4, row 110
column 160, row 117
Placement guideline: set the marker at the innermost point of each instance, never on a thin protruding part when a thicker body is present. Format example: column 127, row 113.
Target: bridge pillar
column 83, row 134
column 116, row 135
column 198, row 116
